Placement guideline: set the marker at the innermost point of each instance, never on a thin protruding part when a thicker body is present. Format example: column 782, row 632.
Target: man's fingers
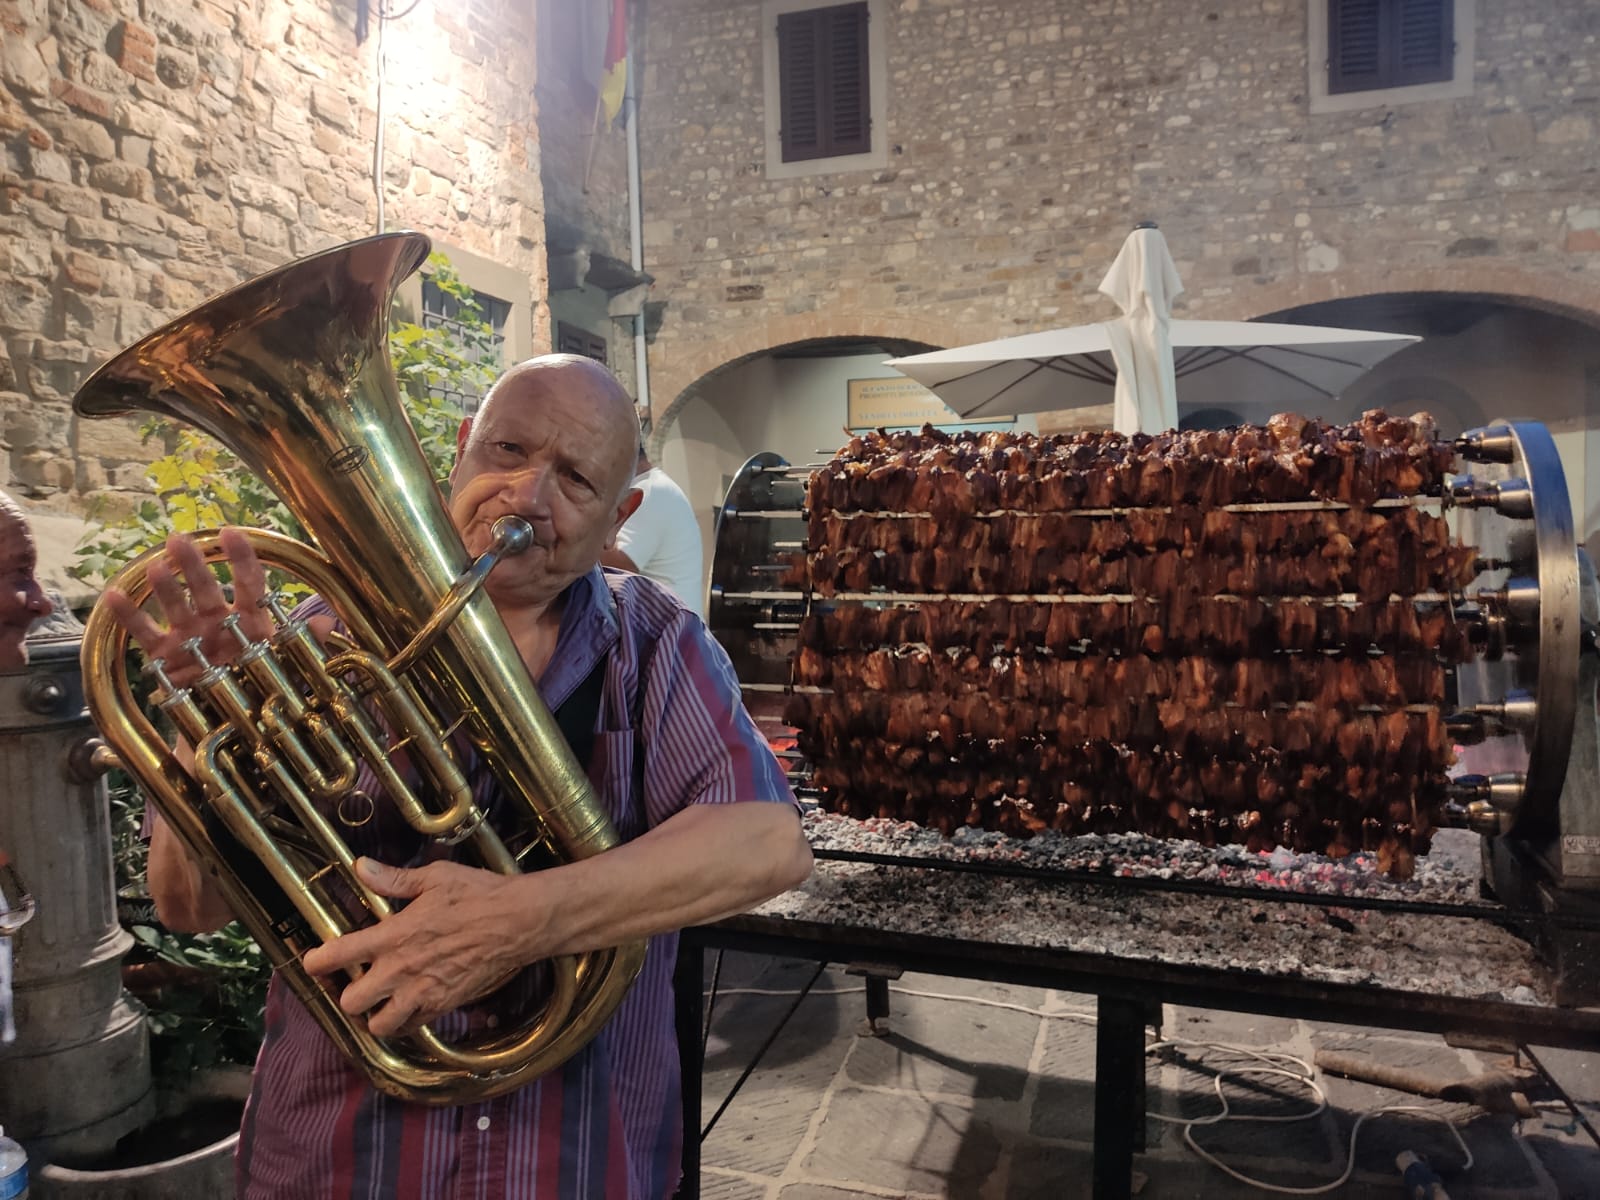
column 249, row 582
column 204, row 586
column 169, row 593
column 395, row 882
column 193, row 601
column 343, row 953
column 396, row 1017
column 141, row 626
column 364, row 994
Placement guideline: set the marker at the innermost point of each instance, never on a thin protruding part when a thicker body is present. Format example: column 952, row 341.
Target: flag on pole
column 614, row 80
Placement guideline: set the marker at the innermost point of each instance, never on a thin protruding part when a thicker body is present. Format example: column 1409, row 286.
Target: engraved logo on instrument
column 349, row 459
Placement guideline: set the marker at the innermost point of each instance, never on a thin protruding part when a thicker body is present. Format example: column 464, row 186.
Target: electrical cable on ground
column 1268, row 1063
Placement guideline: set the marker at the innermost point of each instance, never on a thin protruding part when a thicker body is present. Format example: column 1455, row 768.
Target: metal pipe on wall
column 641, row 365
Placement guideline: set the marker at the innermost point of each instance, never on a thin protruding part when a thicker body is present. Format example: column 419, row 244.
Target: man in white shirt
column 661, row 540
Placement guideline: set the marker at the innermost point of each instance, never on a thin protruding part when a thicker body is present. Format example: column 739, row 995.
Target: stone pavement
column 963, row 1099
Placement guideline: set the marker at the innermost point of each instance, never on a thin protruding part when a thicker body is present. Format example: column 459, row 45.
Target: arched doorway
column 790, row 399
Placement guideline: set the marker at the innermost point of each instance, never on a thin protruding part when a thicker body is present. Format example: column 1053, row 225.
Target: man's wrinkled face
column 546, row 448
column 22, row 601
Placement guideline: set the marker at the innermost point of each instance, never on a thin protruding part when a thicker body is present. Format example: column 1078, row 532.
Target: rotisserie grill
column 1335, row 639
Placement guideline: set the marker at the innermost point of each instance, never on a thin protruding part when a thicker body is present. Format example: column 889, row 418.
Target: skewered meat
column 855, row 726
column 1264, row 675
column 1193, row 682
column 1371, row 554
column 1186, row 624
column 1288, row 459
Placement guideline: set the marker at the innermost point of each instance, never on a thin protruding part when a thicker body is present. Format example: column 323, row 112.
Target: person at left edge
column 22, row 602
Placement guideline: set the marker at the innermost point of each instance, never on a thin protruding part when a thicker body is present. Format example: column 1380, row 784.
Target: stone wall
column 158, row 151
column 585, row 174
column 584, row 159
column 1026, row 137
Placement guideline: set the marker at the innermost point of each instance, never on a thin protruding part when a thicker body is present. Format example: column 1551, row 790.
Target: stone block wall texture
column 1027, row 137
column 584, row 158
column 154, row 152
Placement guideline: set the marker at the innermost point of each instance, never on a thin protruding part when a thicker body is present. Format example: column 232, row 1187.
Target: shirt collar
column 589, row 628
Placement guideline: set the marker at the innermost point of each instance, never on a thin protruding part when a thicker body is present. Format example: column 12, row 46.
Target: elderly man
column 22, row 600
column 708, row 822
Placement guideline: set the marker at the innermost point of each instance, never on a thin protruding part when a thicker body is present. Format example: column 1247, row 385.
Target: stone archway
column 685, row 363
column 1546, row 290
column 688, row 366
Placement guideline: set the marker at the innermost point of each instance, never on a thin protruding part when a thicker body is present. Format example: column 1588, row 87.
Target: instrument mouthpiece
column 512, row 535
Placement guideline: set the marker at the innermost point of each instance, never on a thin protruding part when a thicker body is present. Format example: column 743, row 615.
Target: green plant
column 208, row 1009
column 204, row 993
column 443, row 370
column 440, row 370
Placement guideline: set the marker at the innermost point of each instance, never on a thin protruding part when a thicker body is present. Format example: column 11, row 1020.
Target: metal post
column 687, row 981
column 1119, row 1100
column 877, row 976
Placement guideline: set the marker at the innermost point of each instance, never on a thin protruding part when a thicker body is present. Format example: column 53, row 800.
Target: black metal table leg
column 687, row 981
column 1119, row 1100
column 755, row 1060
column 877, row 977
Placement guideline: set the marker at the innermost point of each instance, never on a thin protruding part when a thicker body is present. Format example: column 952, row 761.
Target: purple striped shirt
column 607, row 1123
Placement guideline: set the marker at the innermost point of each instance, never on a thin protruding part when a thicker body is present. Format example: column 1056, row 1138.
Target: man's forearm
column 705, row 863
column 464, row 929
column 185, row 898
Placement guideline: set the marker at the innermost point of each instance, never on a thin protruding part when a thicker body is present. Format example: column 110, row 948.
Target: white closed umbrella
column 1143, row 280
column 1204, row 364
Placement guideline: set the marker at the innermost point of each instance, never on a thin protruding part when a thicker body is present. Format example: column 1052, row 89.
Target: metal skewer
column 1344, row 598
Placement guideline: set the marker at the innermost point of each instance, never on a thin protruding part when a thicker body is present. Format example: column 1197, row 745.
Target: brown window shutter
column 824, row 106
column 1424, row 41
column 849, row 106
column 1389, row 43
column 574, row 339
column 1355, row 37
column 800, row 85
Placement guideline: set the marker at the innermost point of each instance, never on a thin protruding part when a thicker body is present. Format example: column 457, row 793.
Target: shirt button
column 483, row 1124
column 493, row 1022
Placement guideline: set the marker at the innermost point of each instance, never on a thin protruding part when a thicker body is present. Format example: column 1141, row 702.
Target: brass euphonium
column 290, row 372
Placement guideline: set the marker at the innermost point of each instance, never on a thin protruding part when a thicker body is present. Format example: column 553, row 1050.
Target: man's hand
column 195, row 605
column 464, row 931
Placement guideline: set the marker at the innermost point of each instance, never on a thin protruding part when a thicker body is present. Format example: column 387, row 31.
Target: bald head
column 537, row 381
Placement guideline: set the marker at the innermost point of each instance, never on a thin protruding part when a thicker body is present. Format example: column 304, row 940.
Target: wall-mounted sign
column 895, row 402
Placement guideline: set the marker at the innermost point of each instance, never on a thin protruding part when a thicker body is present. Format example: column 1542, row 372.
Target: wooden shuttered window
column 573, row 339
column 1376, row 44
column 822, row 83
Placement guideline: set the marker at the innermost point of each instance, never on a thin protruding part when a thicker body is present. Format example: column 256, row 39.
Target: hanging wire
column 377, row 141
column 385, row 15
